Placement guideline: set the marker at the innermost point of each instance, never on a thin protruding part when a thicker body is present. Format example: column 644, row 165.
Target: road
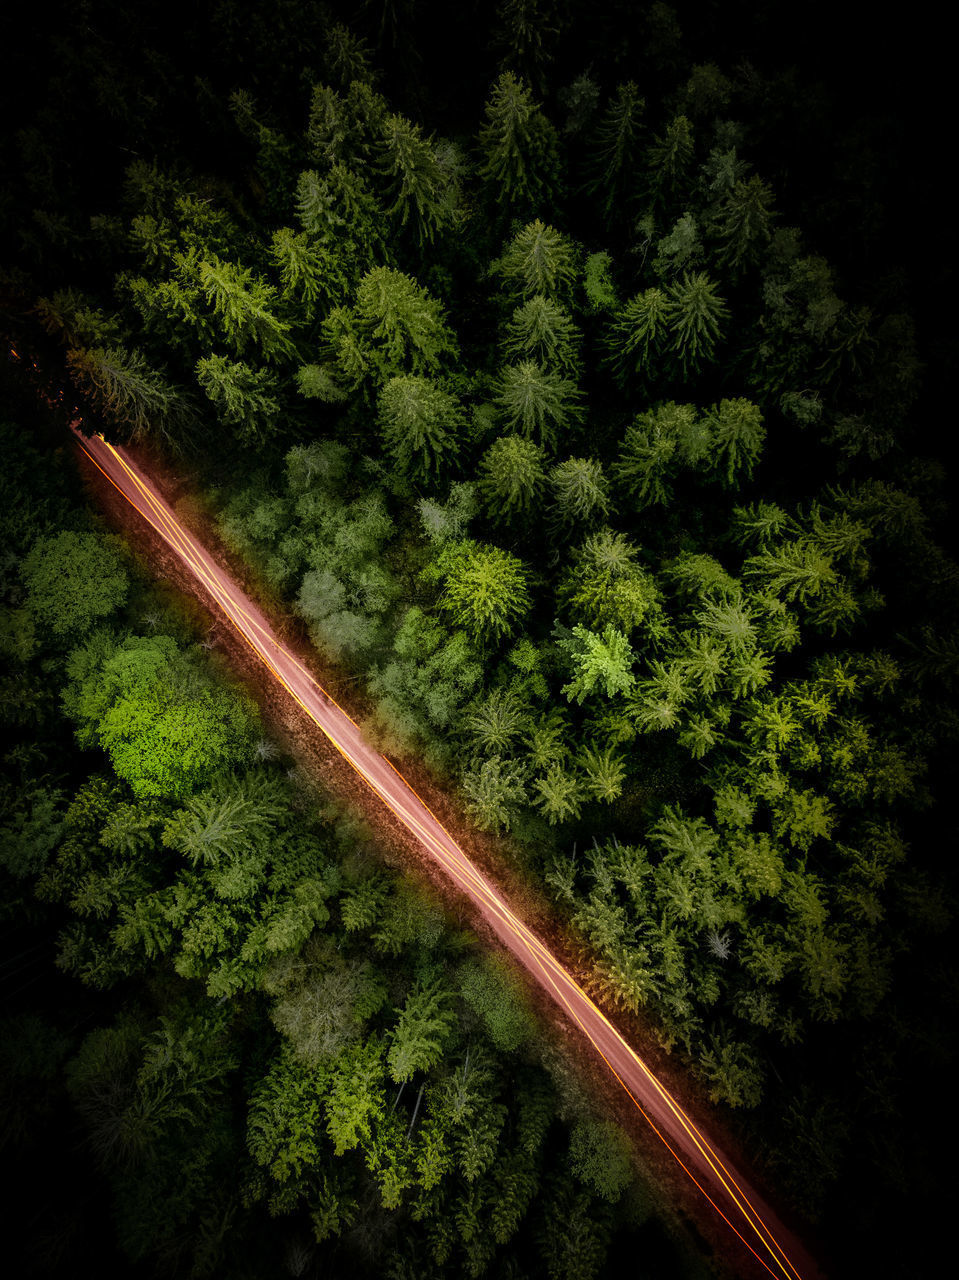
column 731, row 1197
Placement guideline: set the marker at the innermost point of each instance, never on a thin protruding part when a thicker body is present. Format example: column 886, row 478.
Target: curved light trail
column 736, row 1203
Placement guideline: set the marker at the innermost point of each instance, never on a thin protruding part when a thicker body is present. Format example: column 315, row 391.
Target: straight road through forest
column 738, row 1205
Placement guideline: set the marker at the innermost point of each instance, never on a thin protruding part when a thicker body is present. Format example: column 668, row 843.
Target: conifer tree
column 536, row 403
column 669, row 161
column 486, row 589
column 424, row 1023
column 519, row 149
column 542, row 330
column 511, row 477
column 638, row 336
column 420, row 424
column 417, row 181
column 746, row 222
column 606, row 584
column 695, row 315
column 559, row 795
column 133, row 398
column 654, row 446
column 598, row 659
column 617, row 149
column 493, row 790
column 244, row 398
column 792, row 570
column 395, row 327
column 736, row 435
column 347, row 128
column 300, row 267
column 580, row 491
column 605, row 772
column 538, row 260
column 244, row 305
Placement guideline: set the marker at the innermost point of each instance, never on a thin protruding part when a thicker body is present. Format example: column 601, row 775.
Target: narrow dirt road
column 739, row 1206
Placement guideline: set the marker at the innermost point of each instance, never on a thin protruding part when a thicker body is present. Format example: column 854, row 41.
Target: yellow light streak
column 433, row 836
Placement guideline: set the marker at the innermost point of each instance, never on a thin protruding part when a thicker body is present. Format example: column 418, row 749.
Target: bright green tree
column 420, row 1031
column 244, row 306
column 166, row 726
column 602, row 659
column 302, row 271
column 606, row 584
column 486, row 590
column 737, row 435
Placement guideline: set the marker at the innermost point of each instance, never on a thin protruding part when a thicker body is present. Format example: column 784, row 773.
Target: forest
column 578, row 377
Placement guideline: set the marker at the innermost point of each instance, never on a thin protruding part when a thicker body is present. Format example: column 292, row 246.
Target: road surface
column 738, row 1205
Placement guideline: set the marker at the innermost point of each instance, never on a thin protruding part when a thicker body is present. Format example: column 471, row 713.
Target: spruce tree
column 638, row 337
column 416, row 180
column 519, row 151
column 543, row 331
column 736, row 438
column 132, row 397
column 536, row 403
column 244, row 398
column 511, row 477
column 695, row 315
column 486, row 589
column 420, row 424
column 617, row 149
column 580, row 491
column 746, row 223
column 538, row 260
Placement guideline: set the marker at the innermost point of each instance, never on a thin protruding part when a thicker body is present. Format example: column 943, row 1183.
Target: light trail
column 736, row 1203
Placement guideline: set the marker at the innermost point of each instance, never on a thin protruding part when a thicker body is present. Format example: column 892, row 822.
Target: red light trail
column 736, row 1203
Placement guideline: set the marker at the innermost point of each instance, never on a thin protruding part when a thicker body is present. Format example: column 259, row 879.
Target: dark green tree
column 417, row 181
column 511, row 477
column 536, row 403
column 245, row 398
column 520, row 160
column 421, row 424
column 73, row 580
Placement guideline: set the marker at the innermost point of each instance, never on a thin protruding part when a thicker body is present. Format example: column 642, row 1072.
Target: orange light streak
column 402, row 800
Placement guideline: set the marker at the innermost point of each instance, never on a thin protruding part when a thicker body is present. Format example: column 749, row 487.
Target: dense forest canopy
column 578, row 375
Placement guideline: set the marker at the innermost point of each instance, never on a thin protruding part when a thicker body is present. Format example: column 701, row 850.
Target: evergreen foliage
column 590, row 433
